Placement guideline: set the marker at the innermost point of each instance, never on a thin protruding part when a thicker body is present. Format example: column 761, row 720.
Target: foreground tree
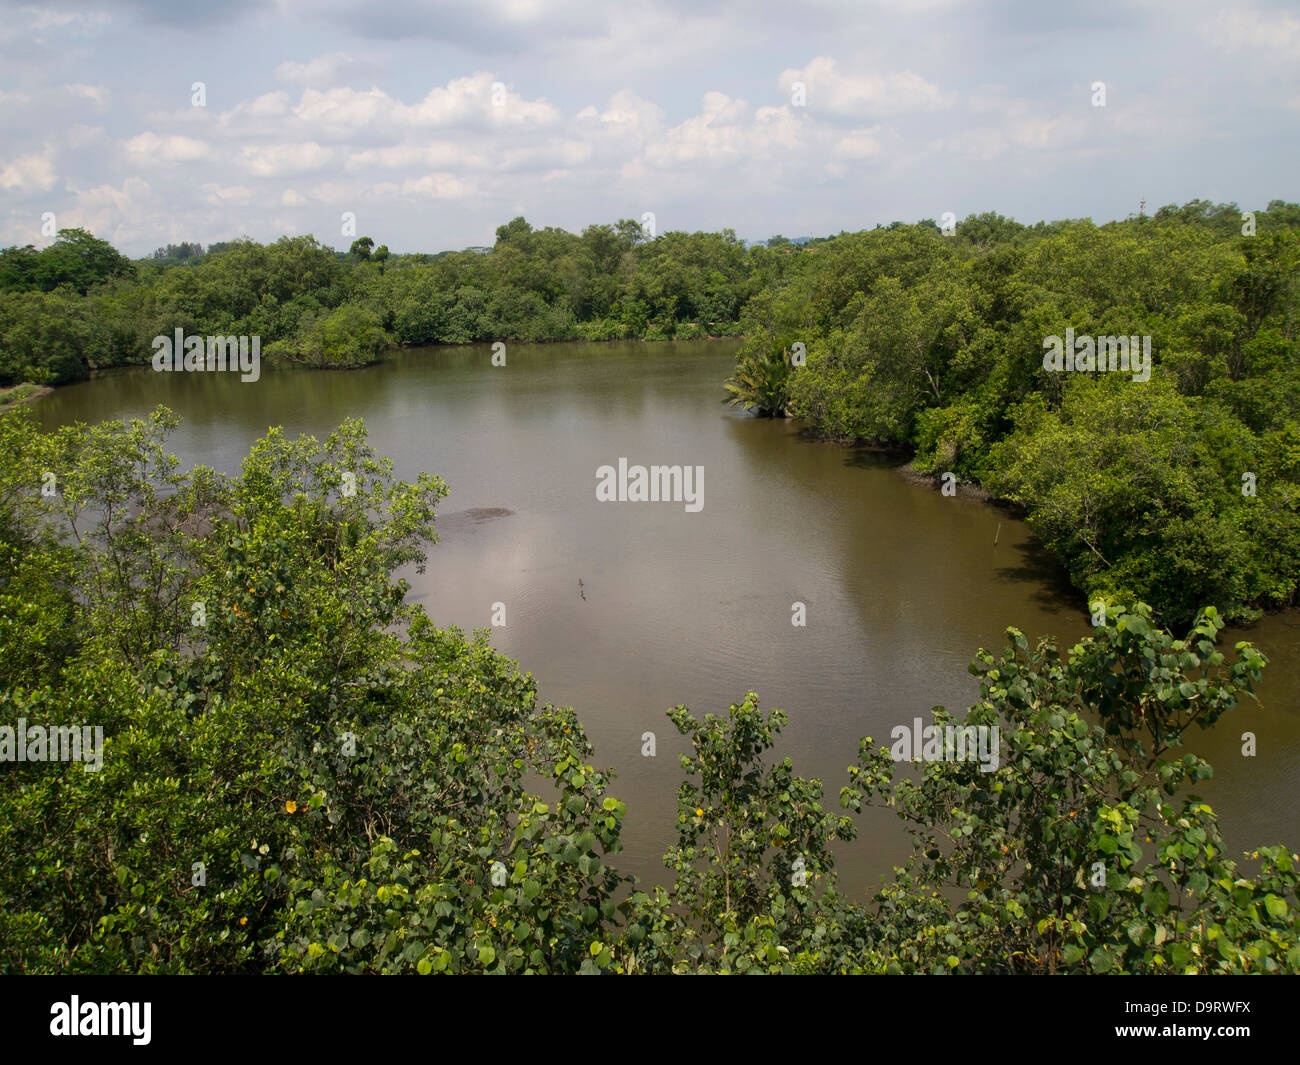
column 1086, row 850
column 755, row 874
column 299, row 772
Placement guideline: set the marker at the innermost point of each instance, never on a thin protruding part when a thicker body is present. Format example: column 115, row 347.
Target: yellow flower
column 699, row 812
column 291, row 806
column 243, row 920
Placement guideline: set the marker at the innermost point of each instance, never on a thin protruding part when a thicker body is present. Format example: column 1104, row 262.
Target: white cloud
column 40, row 19
column 149, row 147
column 119, row 214
column 726, row 133
column 345, row 110
column 1266, row 35
column 334, row 192
column 860, row 144
column 714, row 134
column 227, row 195
column 626, row 112
column 1022, row 129
column 462, row 101
column 273, row 160
column 552, row 152
column 473, row 96
column 53, row 105
column 866, row 94
column 96, row 94
column 267, row 115
column 328, row 69
column 1059, row 131
column 33, row 172
column 976, row 144
column 433, row 153
column 268, row 105
column 437, row 187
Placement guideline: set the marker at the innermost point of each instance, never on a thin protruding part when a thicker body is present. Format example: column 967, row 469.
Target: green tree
column 79, row 260
column 291, row 747
column 753, row 860
column 760, row 378
column 50, row 338
column 1083, row 851
column 345, row 338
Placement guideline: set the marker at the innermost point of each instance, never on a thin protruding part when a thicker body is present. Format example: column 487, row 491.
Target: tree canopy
column 1180, row 490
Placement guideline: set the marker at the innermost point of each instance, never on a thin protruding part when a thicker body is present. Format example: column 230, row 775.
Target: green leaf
column 1156, row 898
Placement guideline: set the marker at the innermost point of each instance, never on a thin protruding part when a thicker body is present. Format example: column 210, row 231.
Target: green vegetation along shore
column 78, row 305
column 1179, row 485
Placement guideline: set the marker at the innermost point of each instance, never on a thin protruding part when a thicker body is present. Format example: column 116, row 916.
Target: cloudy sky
column 433, row 122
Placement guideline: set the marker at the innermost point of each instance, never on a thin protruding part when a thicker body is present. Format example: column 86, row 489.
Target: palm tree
column 759, row 381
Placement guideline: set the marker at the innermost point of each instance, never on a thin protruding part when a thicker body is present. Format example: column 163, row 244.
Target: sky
column 425, row 124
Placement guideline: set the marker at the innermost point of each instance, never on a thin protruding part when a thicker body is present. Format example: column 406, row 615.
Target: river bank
column 16, row 395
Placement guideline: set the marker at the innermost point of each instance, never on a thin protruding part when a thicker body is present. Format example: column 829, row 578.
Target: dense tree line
column 1180, row 490
column 78, row 305
column 302, row 774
